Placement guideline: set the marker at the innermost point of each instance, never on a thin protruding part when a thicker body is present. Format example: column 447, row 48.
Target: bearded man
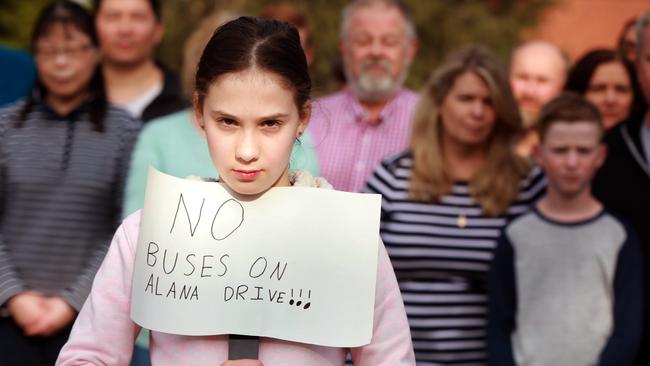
column 357, row 127
column 538, row 71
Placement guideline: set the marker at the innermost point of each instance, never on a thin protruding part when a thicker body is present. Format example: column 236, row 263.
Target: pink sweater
column 104, row 333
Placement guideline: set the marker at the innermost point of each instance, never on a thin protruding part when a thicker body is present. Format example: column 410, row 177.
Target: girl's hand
column 243, row 363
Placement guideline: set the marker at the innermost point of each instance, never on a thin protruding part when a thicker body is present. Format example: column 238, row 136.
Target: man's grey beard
column 371, row 88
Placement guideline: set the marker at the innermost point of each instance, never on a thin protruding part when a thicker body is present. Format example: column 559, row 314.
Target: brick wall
column 580, row 25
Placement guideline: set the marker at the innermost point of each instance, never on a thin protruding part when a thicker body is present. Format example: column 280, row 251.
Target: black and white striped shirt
column 441, row 254
column 61, row 185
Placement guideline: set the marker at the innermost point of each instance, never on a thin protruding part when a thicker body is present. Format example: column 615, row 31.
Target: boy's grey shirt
column 562, row 292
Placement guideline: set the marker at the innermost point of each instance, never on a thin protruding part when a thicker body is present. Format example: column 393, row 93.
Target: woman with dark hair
column 446, row 198
column 250, row 144
column 64, row 156
column 607, row 80
column 626, row 43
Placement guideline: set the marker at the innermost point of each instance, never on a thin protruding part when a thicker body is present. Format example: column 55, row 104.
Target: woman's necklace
column 461, row 221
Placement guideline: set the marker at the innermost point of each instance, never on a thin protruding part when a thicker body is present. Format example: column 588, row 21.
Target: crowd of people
column 512, row 196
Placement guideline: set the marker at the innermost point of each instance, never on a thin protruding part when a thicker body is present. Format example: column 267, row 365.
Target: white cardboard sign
column 297, row 264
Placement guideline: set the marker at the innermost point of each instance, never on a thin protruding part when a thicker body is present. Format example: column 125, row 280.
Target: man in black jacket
column 129, row 31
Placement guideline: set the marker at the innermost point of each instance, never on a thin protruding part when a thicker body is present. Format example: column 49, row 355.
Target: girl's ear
column 197, row 114
column 305, row 115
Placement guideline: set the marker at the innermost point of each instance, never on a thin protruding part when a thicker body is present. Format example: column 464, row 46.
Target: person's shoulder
column 402, row 159
column 532, row 185
column 524, row 219
column 130, row 228
column 10, row 113
column 520, row 225
column 12, row 109
column 390, row 177
column 171, row 80
column 169, row 75
column 534, row 176
column 335, row 98
column 325, row 109
column 394, row 169
column 169, row 100
column 618, row 219
column 614, row 136
column 165, row 123
column 408, row 96
column 132, row 221
column 119, row 118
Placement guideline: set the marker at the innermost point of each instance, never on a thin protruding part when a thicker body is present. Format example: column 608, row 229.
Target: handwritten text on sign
column 297, row 264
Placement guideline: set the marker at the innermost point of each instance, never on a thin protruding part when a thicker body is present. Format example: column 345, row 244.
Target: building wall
column 580, row 25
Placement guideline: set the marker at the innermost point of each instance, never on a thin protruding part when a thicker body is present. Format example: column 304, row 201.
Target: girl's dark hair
column 580, row 75
column 249, row 42
column 69, row 14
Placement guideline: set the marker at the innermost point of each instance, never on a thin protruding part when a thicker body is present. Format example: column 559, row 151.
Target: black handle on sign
column 243, row 347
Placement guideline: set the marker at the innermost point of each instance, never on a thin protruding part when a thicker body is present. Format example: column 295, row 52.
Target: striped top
column 61, row 184
column 348, row 146
column 441, row 253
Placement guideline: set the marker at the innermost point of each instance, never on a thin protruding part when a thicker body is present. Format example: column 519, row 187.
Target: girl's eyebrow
column 218, row 113
column 275, row 116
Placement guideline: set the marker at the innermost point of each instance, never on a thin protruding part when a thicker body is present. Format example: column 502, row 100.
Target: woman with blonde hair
column 446, row 199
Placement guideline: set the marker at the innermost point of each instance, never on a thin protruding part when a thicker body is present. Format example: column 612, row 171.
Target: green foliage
column 442, row 25
column 16, row 18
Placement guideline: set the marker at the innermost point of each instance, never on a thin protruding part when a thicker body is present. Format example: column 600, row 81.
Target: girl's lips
column 247, row 175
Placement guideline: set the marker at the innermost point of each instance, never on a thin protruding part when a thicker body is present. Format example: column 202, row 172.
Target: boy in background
column 566, row 280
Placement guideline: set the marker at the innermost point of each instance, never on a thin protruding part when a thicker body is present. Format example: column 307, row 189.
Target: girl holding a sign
column 252, row 100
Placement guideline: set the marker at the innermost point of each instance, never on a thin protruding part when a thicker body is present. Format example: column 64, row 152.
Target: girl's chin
column 246, row 189
column 253, row 188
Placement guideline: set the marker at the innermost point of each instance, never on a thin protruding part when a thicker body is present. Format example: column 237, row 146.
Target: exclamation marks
column 299, row 302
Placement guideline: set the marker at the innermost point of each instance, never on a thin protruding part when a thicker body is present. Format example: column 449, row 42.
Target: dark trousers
column 140, row 356
column 16, row 349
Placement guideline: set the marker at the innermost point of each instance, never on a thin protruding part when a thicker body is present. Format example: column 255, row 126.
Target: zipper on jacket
column 67, row 147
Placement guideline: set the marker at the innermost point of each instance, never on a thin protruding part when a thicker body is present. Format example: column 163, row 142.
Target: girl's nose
column 247, row 148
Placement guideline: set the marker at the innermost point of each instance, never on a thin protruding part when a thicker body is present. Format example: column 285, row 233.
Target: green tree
column 16, row 19
column 442, row 25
